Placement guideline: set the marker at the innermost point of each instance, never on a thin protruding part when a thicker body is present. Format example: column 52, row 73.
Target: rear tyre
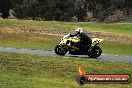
column 60, row 50
column 95, row 52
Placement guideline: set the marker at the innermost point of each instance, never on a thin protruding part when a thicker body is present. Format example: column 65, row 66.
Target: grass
column 28, row 45
column 116, row 48
column 49, row 45
column 30, row 71
column 30, row 41
column 45, row 42
column 66, row 27
column 27, row 34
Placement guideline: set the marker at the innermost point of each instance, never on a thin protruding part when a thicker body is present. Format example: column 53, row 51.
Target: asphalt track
column 52, row 53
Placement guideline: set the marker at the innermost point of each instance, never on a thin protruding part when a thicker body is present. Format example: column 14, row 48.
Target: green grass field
column 66, row 27
column 116, row 48
column 31, row 42
column 27, row 34
column 30, row 71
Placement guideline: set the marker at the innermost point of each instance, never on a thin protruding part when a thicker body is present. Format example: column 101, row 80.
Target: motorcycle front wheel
column 60, row 50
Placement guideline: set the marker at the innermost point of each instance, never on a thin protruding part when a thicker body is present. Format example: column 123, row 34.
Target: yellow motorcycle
column 67, row 45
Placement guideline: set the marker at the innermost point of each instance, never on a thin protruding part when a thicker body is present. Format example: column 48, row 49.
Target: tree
column 5, row 5
column 63, row 10
column 128, row 6
column 80, row 9
column 57, row 9
column 101, row 8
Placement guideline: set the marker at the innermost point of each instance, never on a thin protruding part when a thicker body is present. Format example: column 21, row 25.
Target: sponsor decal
column 84, row 78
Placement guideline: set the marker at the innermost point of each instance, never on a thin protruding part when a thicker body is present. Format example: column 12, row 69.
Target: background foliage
column 65, row 10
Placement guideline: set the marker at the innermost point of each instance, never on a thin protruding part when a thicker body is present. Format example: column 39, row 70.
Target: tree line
column 64, row 10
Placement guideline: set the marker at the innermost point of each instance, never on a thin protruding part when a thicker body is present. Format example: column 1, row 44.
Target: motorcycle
column 67, row 45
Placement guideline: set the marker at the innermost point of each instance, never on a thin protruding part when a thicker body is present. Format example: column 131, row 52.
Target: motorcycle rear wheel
column 95, row 52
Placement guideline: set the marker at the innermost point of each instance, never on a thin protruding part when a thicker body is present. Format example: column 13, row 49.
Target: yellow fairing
column 75, row 39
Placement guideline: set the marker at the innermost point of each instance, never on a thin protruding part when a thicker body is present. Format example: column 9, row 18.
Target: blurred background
column 108, row 11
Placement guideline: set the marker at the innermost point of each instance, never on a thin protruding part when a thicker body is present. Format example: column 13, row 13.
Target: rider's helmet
column 78, row 31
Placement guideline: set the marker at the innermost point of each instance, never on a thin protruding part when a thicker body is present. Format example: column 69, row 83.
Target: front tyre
column 60, row 50
column 95, row 52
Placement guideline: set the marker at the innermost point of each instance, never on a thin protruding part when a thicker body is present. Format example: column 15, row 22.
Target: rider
column 86, row 41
